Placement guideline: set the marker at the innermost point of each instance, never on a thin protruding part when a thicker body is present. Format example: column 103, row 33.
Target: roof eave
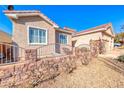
column 62, row 30
column 84, row 33
column 12, row 16
column 16, row 16
column 110, row 34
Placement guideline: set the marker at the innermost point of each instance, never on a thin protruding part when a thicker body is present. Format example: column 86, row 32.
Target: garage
column 103, row 32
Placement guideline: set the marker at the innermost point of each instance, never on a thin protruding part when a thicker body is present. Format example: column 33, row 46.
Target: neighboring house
column 32, row 30
column 104, row 32
column 5, row 39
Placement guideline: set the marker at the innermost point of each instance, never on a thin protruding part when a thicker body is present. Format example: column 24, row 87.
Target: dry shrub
column 84, row 55
column 85, row 59
column 68, row 64
column 67, row 51
column 121, row 58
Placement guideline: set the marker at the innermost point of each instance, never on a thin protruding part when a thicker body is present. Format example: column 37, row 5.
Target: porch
column 10, row 53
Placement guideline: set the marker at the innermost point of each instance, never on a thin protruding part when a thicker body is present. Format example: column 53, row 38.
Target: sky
column 74, row 16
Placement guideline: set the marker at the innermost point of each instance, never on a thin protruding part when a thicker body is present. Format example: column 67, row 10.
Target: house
column 104, row 32
column 5, row 39
column 33, row 30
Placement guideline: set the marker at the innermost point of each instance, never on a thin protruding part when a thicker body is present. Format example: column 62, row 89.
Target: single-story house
column 33, row 30
column 104, row 32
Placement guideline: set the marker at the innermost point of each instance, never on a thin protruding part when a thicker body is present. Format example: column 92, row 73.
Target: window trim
column 38, row 34
column 63, row 34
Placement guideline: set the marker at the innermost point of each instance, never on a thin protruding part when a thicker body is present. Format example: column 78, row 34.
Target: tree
column 117, row 38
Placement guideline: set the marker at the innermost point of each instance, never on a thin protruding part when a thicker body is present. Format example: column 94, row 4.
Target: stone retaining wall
column 30, row 73
column 31, row 54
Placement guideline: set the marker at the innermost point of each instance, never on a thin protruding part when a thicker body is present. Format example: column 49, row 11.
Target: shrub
column 67, row 51
column 121, row 47
column 121, row 58
column 84, row 49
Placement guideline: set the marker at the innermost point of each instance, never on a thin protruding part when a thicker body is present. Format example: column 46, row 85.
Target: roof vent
column 10, row 7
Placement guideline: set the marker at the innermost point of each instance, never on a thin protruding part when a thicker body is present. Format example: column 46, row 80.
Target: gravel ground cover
column 96, row 74
column 113, row 54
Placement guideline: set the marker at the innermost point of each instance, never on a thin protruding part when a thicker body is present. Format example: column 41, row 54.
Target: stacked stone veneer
column 31, row 73
column 31, row 54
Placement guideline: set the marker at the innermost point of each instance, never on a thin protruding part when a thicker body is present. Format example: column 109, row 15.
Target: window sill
column 35, row 44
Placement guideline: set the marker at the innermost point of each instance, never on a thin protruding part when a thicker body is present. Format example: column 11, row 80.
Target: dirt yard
column 96, row 74
column 113, row 54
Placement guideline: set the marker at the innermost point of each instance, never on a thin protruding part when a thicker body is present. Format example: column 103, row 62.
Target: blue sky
column 77, row 17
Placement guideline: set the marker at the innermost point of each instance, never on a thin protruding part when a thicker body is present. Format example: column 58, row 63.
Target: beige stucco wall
column 20, row 35
column 109, row 31
column 105, row 35
column 84, row 39
column 20, row 30
column 109, row 40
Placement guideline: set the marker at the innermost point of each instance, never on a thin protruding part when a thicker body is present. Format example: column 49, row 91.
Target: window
column 62, row 39
column 37, row 36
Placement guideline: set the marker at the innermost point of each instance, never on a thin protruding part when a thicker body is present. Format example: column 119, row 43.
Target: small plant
column 121, row 47
column 121, row 58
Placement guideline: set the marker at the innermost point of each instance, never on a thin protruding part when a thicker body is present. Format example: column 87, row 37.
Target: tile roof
column 20, row 11
column 69, row 29
column 97, row 28
column 64, row 30
column 94, row 29
column 27, row 12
